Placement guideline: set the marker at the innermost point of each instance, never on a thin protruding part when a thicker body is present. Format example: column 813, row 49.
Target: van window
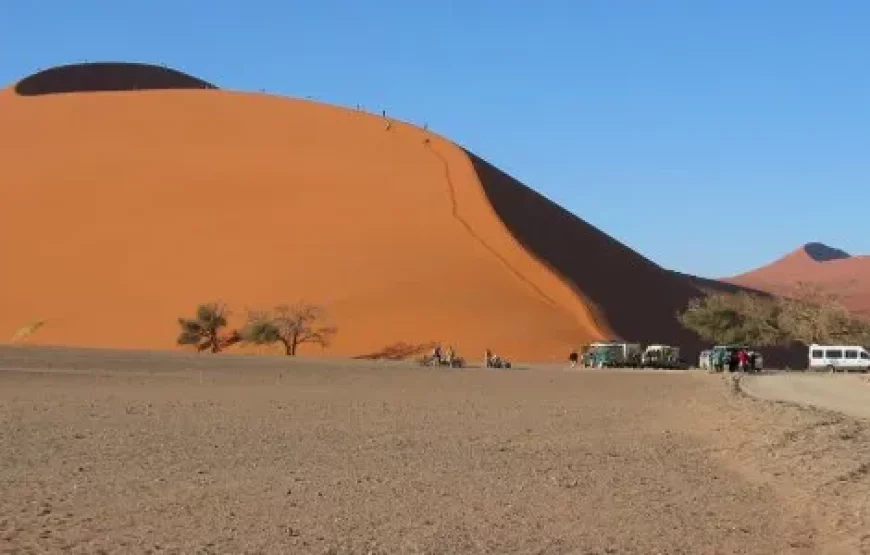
column 865, row 355
column 818, row 353
column 833, row 354
column 852, row 354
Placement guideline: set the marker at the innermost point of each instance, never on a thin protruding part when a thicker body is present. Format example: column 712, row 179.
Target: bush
column 204, row 329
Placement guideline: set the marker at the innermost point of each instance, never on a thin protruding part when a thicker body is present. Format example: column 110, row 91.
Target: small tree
column 291, row 326
column 741, row 318
column 810, row 315
column 204, row 330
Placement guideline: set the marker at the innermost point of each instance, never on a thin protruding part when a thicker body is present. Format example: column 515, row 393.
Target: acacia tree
column 729, row 318
column 204, row 329
column 290, row 325
column 809, row 315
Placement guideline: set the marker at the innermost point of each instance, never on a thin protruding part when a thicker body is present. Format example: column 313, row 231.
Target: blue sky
column 710, row 136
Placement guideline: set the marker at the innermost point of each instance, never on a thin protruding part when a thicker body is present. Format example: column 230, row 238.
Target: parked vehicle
column 662, row 356
column 839, row 358
column 612, row 354
column 759, row 361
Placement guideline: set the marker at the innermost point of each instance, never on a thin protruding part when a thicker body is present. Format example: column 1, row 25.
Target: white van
column 839, row 358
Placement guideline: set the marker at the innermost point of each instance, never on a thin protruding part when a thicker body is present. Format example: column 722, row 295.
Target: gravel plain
column 140, row 452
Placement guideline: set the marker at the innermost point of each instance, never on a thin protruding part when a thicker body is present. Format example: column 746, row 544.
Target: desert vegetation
column 808, row 315
column 290, row 325
column 204, row 330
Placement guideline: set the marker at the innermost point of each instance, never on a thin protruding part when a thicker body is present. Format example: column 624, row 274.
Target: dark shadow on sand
column 398, row 351
column 823, row 253
column 107, row 76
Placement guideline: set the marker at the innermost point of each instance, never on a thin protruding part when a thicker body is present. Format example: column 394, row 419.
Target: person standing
column 742, row 360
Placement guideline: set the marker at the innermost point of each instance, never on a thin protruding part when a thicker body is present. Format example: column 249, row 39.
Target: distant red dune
column 832, row 269
column 123, row 211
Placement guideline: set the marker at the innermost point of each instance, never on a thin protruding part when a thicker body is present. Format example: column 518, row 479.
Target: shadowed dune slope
column 106, row 76
column 635, row 296
column 832, row 269
column 122, row 211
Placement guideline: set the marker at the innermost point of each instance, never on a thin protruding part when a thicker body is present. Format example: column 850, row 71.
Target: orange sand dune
column 832, row 269
column 122, row 210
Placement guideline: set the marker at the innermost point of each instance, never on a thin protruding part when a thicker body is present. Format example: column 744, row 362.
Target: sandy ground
column 849, row 394
column 167, row 453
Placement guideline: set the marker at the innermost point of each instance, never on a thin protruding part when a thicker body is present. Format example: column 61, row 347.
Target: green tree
column 809, row 315
column 738, row 318
column 203, row 331
column 290, row 325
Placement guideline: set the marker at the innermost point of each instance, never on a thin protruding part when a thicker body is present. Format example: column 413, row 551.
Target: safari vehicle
column 612, row 354
column 839, row 358
column 662, row 356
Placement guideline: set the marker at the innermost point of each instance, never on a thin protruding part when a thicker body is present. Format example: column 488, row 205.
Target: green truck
column 612, row 354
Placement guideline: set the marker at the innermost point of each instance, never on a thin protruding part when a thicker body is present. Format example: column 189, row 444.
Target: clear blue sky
column 656, row 121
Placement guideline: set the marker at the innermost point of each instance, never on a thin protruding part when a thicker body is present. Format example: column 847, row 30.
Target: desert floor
column 150, row 452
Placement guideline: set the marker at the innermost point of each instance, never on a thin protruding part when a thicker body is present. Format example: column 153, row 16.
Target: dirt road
column 149, row 452
column 849, row 394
